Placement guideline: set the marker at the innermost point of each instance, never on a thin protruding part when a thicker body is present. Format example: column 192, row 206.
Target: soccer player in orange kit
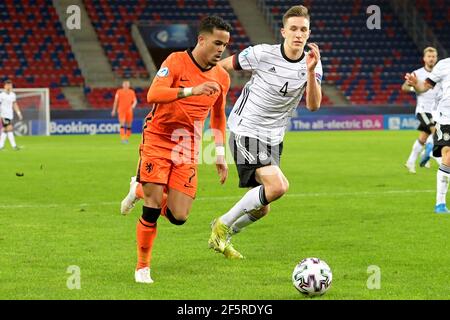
column 124, row 103
column 188, row 85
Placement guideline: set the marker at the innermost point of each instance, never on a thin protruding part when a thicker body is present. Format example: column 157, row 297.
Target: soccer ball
column 312, row 277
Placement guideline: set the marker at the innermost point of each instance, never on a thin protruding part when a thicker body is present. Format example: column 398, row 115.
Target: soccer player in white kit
column 439, row 75
column 426, row 105
column 280, row 76
column 7, row 104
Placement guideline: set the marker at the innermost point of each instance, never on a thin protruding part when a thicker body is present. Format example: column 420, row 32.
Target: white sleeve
column 248, row 59
column 437, row 74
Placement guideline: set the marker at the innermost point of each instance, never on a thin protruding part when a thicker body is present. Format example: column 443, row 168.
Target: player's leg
column 3, row 134
column 182, row 188
column 153, row 173
column 442, row 147
column 128, row 124
column 415, row 151
column 136, row 193
column 426, row 153
column 249, row 218
column 10, row 134
column 178, row 206
column 122, row 118
column 443, row 176
column 431, row 139
column 146, row 230
column 424, row 122
column 249, row 209
column 428, row 150
column 264, row 176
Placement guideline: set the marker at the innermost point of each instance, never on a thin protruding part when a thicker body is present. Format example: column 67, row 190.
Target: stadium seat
column 34, row 51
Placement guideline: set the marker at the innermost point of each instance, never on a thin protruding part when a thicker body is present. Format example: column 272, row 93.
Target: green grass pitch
column 351, row 203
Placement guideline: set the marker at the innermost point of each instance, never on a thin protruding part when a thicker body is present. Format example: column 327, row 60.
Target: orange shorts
column 156, row 166
column 125, row 116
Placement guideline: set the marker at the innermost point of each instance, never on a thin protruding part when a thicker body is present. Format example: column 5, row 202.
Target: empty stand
column 34, row 51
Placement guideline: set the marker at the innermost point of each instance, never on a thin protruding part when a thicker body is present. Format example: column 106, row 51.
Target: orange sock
column 128, row 132
column 145, row 234
column 122, row 133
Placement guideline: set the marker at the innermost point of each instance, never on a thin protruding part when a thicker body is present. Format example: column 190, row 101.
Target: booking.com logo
column 79, row 127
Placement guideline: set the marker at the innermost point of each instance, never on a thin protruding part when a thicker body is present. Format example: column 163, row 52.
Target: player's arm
column 162, row 90
column 407, row 88
column 417, row 85
column 116, row 100
column 17, row 110
column 228, row 63
column 246, row 60
column 134, row 102
column 218, row 125
column 313, row 87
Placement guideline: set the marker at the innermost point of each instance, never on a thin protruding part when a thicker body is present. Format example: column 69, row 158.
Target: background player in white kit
column 7, row 104
column 426, row 105
column 280, row 76
column 440, row 75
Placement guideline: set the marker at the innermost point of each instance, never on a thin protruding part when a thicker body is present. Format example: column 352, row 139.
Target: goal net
column 35, row 106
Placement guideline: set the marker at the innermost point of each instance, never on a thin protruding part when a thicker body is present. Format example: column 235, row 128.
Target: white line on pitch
column 289, row 195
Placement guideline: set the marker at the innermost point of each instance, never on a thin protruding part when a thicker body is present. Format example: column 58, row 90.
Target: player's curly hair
column 210, row 23
column 296, row 11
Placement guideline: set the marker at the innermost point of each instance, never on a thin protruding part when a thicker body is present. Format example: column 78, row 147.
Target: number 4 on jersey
column 283, row 90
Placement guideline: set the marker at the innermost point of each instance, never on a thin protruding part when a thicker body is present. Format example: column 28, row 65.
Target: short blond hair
column 296, row 11
column 429, row 49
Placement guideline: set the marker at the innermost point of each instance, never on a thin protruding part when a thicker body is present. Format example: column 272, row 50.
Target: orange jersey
column 186, row 116
column 125, row 99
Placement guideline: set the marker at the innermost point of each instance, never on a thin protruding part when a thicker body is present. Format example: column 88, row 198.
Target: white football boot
column 130, row 200
column 143, row 275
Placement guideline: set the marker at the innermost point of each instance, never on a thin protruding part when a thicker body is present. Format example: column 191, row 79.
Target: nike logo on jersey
column 273, row 70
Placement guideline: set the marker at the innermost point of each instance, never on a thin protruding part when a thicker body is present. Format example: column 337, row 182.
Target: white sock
column 443, row 175
column 11, row 139
column 2, row 139
column 417, row 147
column 253, row 199
column 242, row 222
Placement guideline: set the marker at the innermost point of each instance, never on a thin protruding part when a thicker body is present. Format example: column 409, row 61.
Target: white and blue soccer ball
column 312, row 277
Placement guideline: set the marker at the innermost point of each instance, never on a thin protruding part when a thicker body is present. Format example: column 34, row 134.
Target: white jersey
column 6, row 105
column 426, row 102
column 441, row 75
column 268, row 100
